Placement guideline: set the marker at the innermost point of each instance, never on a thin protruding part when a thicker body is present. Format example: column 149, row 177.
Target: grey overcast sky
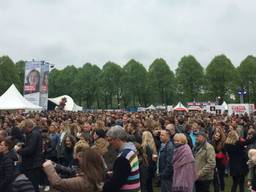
column 73, row 32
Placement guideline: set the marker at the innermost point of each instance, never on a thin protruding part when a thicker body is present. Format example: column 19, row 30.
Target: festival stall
column 180, row 107
column 194, row 108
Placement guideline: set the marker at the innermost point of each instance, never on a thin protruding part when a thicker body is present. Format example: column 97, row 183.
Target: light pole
column 241, row 93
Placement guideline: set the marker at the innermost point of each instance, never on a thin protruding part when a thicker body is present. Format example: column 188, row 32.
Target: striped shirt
column 133, row 180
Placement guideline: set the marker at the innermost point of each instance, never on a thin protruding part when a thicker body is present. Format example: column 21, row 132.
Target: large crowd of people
column 131, row 152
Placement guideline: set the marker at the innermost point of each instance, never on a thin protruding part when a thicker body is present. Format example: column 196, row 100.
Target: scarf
column 183, row 163
column 198, row 147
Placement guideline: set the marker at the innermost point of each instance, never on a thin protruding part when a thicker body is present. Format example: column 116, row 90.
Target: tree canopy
column 132, row 85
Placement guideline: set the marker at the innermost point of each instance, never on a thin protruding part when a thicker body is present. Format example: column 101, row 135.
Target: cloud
column 67, row 32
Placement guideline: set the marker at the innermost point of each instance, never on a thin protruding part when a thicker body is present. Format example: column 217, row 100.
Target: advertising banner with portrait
column 32, row 81
column 44, row 85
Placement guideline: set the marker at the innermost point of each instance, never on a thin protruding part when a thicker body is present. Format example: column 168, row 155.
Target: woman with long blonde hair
column 149, row 147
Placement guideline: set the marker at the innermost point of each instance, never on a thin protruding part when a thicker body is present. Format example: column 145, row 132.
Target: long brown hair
column 93, row 167
column 218, row 145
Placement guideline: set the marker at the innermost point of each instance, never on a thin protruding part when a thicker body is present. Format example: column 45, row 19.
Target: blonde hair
column 232, row 137
column 252, row 155
column 180, row 137
column 147, row 139
column 251, row 152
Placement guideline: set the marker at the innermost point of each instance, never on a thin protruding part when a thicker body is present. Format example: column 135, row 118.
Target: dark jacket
column 165, row 161
column 32, row 155
column 55, row 139
column 110, row 157
column 6, row 173
column 237, row 159
column 22, row 184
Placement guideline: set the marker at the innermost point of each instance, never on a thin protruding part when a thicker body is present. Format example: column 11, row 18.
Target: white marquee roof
column 70, row 104
column 13, row 100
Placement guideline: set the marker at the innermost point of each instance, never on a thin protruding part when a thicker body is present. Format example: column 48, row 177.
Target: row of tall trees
column 114, row 86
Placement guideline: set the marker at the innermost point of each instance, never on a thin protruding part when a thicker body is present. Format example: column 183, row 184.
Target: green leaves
column 8, row 74
column 247, row 77
column 220, row 76
column 161, row 82
column 189, row 75
column 133, row 81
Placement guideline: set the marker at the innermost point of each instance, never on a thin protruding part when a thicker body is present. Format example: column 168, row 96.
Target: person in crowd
column 69, row 142
column 31, row 153
column 251, row 135
column 15, row 132
column 171, row 128
column 195, row 129
column 218, row 141
column 3, row 135
column 125, row 175
column 237, row 160
column 89, row 179
column 21, row 183
column 100, row 143
column 187, row 132
column 64, row 130
column 72, row 171
column 134, row 134
column 87, row 128
column 6, row 166
column 205, row 162
column 55, row 139
column 252, row 170
column 180, row 128
column 165, row 162
column 149, row 148
column 143, row 167
column 83, row 139
column 183, row 163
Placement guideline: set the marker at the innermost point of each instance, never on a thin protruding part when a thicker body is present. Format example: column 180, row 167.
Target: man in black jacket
column 31, row 153
column 6, row 166
column 165, row 161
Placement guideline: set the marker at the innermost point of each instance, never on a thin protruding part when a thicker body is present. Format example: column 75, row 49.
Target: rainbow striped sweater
column 133, row 181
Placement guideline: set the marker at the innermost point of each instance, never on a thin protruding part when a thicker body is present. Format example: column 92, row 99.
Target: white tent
column 160, row 107
column 13, row 100
column 141, row 109
column 169, row 108
column 180, row 107
column 70, row 104
column 225, row 105
column 151, row 107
